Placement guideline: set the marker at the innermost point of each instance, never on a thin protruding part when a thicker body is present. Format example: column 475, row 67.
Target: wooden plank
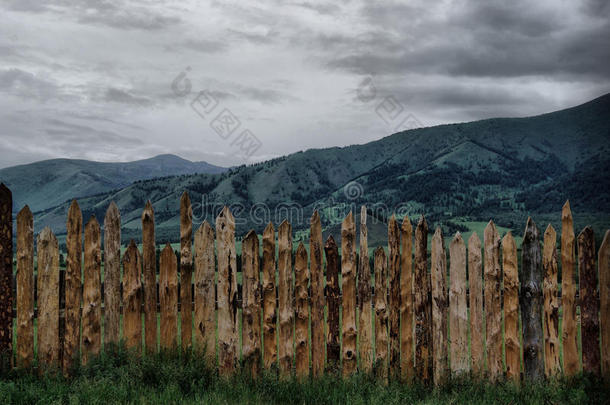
column 394, row 302
column 440, row 304
column 227, row 292
column 112, row 274
column 301, row 274
column 511, row 308
column 333, row 302
column 381, row 314
column 132, row 298
column 423, row 305
column 551, row 303
column 25, row 287
column 493, row 301
column 186, row 271
column 531, row 303
column 406, row 301
column 48, row 299
column 251, row 345
column 6, row 272
column 285, row 295
column 603, row 263
column 73, row 292
column 168, row 298
column 149, row 265
column 475, row 282
column 589, row 302
column 348, row 284
column 205, row 292
column 92, row 291
column 317, row 296
column 269, row 299
column 365, row 326
column 458, row 307
column 569, row 322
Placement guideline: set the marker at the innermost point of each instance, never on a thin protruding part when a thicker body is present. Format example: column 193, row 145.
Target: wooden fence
column 416, row 322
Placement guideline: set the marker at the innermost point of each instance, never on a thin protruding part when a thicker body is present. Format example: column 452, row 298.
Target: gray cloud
column 122, row 96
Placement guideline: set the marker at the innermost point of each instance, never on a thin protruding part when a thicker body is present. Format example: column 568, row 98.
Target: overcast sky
column 93, row 79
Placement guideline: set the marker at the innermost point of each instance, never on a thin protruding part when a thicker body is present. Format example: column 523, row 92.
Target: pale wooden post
column 112, row 274
column 348, row 282
column 92, row 291
column 132, row 298
column 439, row 307
column 149, row 264
column 458, row 307
column 252, row 304
column 168, row 297
column 569, row 322
column 365, row 329
column 475, row 281
column 205, row 292
column 285, row 290
column 25, row 287
column 269, row 299
column 381, row 315
column 48, row 299
column 406, row 301
column 186, row 271
column 511, row 308
column 301, row 274
column 493, row 303
column 73, row 294
column 317, row 296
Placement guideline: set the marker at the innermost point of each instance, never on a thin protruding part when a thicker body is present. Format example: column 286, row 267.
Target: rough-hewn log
column 269, row 299
column 381, row 314
column 365, row 326
column 48, row 299
column 348, row 283
column 458, row 307
column 6, row 272
column 149, row 264
column 73, row 292
column 511, row 308
column 186, row 270
column 92, row 291
column 394, row 302
column 475, row 282
column 406, row 301
column 531, row 302
column 112, row 274
column 25, row 287
column 589, row 302
column 317, row 296
column 423, row 305
column 205, row 292
column 227, row 292
column 333, row 302
column 551, row 303
column 493, row 303
column 168, row 297
column 251, row 335
column 569, row 322
column 603, row 263
column 301, row 274
column 132, row 298
column 439, row 306
column 285, row 295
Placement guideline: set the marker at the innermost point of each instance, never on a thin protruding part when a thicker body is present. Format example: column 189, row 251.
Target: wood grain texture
column 394, row 299
column 317, row 296
column 227, row 292
column 112, row 274
column 269, row 299
column 333, row 303
column 531, row 303
column 407, row 369
column 381, row 314
column 475, row 282
column 149, row 264
column 73, row 292
column 569, row 322
column 25, row 288
column 589, row 302
column 251, row 334
column 552, row 367
column 6, row 272
column 285, row 295
column 365, row 326
column 348, row 283
column 205, row 292
column 458, row 307
column 48, row 299
column 603, row 263
column 423, row 305
column 301, row 274
column 493, row 301
column 168, row 298
column 132, row 298
column 440, row 306
column 512, row 336
column 186, row 271
column 92, row 291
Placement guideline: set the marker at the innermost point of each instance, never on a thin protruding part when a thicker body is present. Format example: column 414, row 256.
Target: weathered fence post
column 6, row 273
column 365, row 327
column 475, row 281
column 301, row 275
column 205, row 292
column 286, row 308
column 589, row 302
column 269, row 299
column 348, row 282
column 511, row 308
column 48, row 299
column 333, row 302
column 493, row 303
column 186, row 271
column 92, row 291
column 458, row 307
column 394, row 302
column 168, row 297
column 603, row 263
column 438, row 274
column 381, row 314
column 406, row 300
column 112, row 274
column 423, row 305
column 132, row 298
column 317, row 296
column 251, row 304
column 551, row 303
column 74, row 250
column 571, row 356
column 149, row 265
column 25, row 287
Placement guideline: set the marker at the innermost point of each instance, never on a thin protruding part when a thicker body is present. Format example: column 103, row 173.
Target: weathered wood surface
column 317, row 296
column 25, row 287
column 493, row 303
column 149, row 264
column 365, row 310
column 423, row 305
column 589, row 302
column 227, row 292
column 531, row 303
column 251, row 330
column 603, row 263
column 440, row 305
column 269, row 299
column 48, row 299
column 186, row 271
column 569, row 322
column 407, row 368
column 348, row 282
column 394, row 301
column 381, row 314
column 333, row 303
column 132, row 298
column 112, row 274
column 458, row 307
column 92, row 291
column 168, row 297
column 205, row 292
column 6, row 272
column 475, row 282
column 551, row 303
column 301, row 330
column 73, row 292
column 511, row 308
column 285, row 295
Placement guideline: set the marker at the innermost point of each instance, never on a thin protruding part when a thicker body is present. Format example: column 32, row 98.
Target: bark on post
column 269, row 299
column 92, row 291
column 458, row 308
column 317, row 296
column 333, row 302
column 286, row 308
column 48, row 299
column 475, row 281
column 6, row 273
column 439, row 307
column 589, row 302
column 394, row 303
column 252, row 304
column 168, row 297
column 132, row 298
column 511, row 308
column 149, row 264
column 112, row 274
column 603, row 263
column 569, row 322
column 381, row 315
column 227, row 292
column 73, row 294
column 186, row 271
column 531, row 303
column 551, row 304
column 423, row 305
column 25, row 288
column 301, row 274
column 493, row 303
column 205, row 292
column 348, row 282
column 406, row 301
column 365, row 328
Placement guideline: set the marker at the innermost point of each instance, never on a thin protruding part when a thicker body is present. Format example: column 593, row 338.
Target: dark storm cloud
column 29, row 86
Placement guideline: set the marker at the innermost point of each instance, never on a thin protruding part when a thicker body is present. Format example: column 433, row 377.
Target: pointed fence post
column 458, row 307
column 301, row 275
column 348, row 282
column 317, row 296
column 394, row 303
column 205, row 292
column 92, row 291
column 269, row 299
column 285, row 289
column 6, row 273
column 73, row 291
column 589, row 302
column 186, row 271
column 551, row 303
column 440, row 304
column 25, row 288
column 475, row 281
column 381, row 315
column 406, row 301
column 149, row 264
column 511, row 308
column 168, row 298
column 112, row 274
column 333, row 302
column 251, row 306
column 569, row 321
column 423, row 305
column 48, row 299
column 132, row 298
column 365, row 326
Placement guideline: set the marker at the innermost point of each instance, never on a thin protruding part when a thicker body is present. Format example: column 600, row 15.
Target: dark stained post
column 186, row 271
column 333, row 301
column 589, row 302
column 251, row 304
column 92, row 291
column 73, row 289
column 423, row 305
column 493, row 304
column 511, row 308
column 317, row 296
column 475, row 281
column 269, row 299
column 407, row 369
column 365, row 329
column 394, row 304
column 112, row 274
column 438, row 274
column 285, row 298
column 569, row 321
column 603, row 263
column 6, row 272
column 149, row 265
column 381, row 314
column 301, row 275
column 551, row 303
